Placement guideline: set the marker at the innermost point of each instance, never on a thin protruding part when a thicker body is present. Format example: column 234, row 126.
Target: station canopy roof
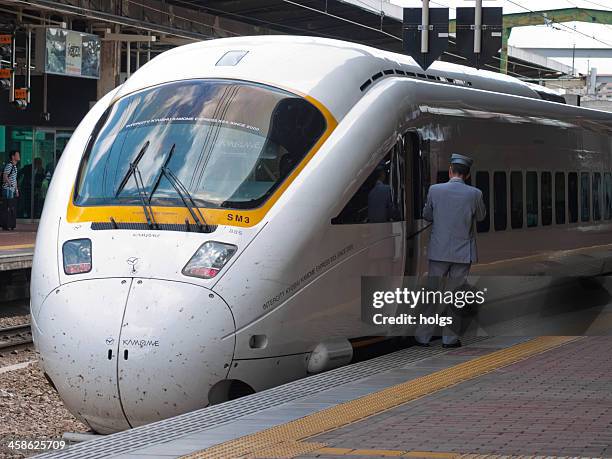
column 342, row 20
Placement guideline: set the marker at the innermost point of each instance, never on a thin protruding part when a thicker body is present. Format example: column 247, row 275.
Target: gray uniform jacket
column 452, row 207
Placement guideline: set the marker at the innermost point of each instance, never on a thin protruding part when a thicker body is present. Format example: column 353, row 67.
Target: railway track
column 16, row 337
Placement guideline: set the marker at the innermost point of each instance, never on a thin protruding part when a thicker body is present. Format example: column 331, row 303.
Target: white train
column 209, row 222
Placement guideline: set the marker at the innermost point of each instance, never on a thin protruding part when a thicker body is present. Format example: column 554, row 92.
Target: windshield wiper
column 183, row 193
column 130, row 171
column 135, row 172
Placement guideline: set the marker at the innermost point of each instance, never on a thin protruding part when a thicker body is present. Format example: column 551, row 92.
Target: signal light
column 21, row 98
column 6, row 48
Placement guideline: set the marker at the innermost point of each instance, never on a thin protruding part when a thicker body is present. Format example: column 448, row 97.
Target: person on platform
column 9, row 176
column 10, row 191
column 452, row 208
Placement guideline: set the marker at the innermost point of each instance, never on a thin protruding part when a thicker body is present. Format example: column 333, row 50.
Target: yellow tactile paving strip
column 286, row 440
column 17, row 246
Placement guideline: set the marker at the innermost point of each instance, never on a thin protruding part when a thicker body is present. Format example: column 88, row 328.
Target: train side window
column 546, row 193
column 482, row 183
column 585, row 197
column 559, row 198
column 531, row 186
column 516, row 199
column 499, row 201
column 596, row 196
column 381, row 197
column 607, row 196
column 572, row 196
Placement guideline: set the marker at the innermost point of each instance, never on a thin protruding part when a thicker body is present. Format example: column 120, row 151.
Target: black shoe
column 418, row 343
column 454, row 345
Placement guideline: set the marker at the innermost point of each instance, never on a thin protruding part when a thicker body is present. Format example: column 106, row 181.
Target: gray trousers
column 456, row 274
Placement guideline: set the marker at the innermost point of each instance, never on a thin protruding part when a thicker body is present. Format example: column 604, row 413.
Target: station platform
column 495, row 397
column 17, row 247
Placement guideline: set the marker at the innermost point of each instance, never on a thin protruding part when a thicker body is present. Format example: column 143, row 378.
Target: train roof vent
column 365, row 85
column 231, row 58
column 457, row 82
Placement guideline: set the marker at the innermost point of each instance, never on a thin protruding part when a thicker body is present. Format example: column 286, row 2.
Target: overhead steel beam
column 530, row 55
column 569, row 52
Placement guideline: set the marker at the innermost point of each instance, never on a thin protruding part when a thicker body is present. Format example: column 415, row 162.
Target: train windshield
column 234, row 144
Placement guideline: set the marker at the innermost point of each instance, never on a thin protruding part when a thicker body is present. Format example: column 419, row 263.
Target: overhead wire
column 593, row 3
column 596, row 4
column 559, row 23
column 291, row 2
column 258, row 20
column 191, row 20
column 310, row 31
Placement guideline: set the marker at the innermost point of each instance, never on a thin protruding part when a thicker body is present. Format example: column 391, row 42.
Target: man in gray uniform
column 452, row 207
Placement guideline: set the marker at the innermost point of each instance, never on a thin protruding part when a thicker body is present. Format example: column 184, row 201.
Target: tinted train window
column 531, row 185
column 516, row 199
column 585, row 201
column 546, row 192
column 499, row 201
column 607, row 196
column 381, row 197
column 596, row 196
column 230, row 143
column 572, row 196
column 559, row 198
column 482, row 183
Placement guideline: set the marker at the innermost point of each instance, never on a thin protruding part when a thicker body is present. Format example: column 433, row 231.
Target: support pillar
column 109, row 68
column 503, row 62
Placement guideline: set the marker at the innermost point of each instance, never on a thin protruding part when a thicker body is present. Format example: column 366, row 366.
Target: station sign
column 68, row 52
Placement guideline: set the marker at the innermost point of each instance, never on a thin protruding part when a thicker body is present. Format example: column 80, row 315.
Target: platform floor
column 548, row 396
column 17, row 247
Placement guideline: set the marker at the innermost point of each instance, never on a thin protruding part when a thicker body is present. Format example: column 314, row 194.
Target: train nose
column 126, row 352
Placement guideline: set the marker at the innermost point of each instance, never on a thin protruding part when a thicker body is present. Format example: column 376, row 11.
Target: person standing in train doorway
column 452, row 208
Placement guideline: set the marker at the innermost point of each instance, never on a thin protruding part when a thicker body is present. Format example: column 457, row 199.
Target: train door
column 414, row 190
column 398, row 170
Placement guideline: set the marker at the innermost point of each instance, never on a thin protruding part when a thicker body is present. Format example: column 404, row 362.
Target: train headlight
column 209, row 259
column 77, row 256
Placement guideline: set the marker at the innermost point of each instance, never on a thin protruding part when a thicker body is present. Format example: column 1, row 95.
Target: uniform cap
column 456, row 158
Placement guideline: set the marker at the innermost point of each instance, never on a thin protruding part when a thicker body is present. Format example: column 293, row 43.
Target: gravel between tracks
column 14, row 320
column 17, row 356
column 30, row 409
